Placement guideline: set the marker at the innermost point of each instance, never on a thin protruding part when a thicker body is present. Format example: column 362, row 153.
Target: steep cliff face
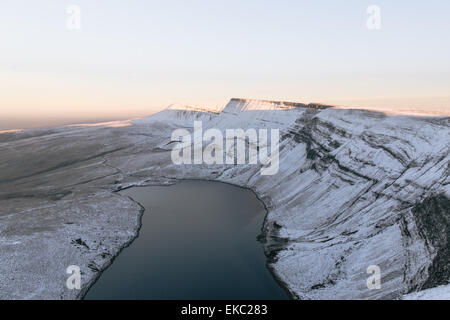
column 346, row 197
column 354, row 189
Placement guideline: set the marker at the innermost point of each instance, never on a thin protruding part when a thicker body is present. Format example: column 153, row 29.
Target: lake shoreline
column 262, row 237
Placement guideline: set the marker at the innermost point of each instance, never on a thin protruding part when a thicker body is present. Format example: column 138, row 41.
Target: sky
column 132, row 58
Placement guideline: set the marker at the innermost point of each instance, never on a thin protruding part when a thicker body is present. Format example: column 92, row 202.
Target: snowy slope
column 355, row 188
column 438, row 293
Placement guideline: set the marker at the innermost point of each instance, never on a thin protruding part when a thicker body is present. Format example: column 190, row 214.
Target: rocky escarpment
column 432, row 217
column 354, row 189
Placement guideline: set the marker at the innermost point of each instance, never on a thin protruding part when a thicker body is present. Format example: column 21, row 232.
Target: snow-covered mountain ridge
column 355, row 188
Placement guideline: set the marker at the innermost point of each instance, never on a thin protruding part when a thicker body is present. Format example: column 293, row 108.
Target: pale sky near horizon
column 133, row 57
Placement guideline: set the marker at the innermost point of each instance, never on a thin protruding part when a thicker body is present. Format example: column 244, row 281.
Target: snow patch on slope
column 438, row 293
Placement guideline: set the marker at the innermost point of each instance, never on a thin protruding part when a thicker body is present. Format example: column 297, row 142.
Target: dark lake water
column 197, row 241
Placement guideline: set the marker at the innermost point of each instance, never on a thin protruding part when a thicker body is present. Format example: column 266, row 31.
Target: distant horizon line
column 61, row 121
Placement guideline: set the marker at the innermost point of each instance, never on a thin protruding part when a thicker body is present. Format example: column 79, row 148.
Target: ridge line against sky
column 134, row 58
